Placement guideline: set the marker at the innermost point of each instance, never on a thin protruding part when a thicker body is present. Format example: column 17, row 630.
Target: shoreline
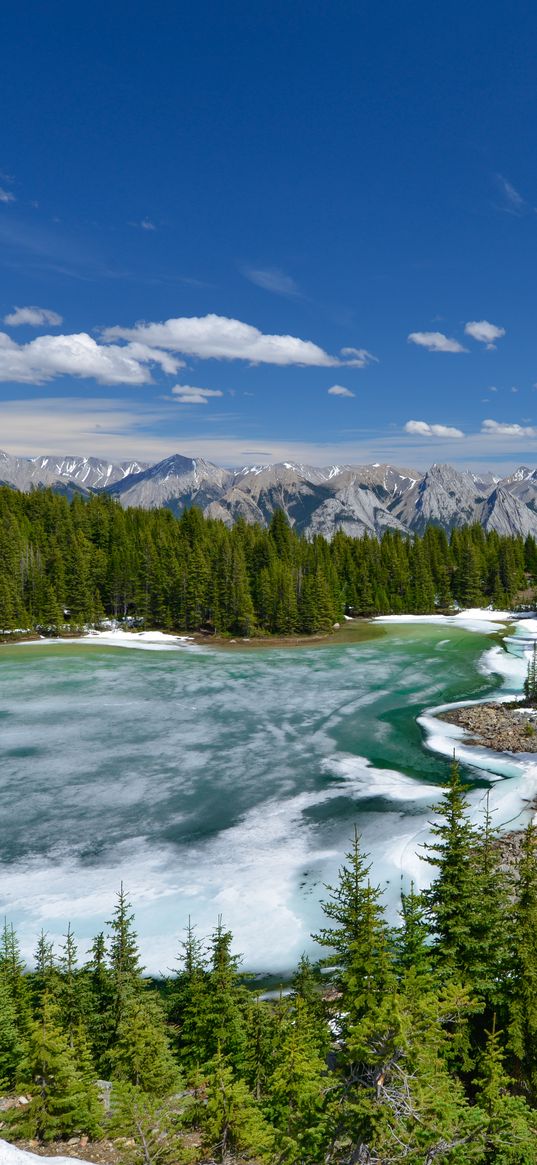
column 508, row 727
column 351, row 631
column 353, row 628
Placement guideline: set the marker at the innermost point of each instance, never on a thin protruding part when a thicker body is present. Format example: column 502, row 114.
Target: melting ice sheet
column 229, row 782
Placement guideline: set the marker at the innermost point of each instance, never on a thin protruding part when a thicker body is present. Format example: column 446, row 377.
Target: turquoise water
column 218, row 782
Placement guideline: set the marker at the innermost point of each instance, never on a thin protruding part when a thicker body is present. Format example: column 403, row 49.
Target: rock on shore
column 502, row 727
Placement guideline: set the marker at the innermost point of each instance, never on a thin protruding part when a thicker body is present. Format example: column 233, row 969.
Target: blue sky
column 211, row 216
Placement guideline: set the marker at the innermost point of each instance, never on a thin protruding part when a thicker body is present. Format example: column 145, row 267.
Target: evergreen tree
column 62, row 1101
column 450, row 899
column 297, row 1090
column 123, row 955
column 523, row 980
column 141, row 1053
column 231, row 1120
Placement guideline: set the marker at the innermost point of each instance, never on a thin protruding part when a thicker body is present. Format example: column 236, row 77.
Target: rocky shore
column 503, row 727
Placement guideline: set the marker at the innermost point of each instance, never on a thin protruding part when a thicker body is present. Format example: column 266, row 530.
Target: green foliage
column 151, row 1126
column 141, row 1053
column 422, row 1050
column 63, row 1099
column 231, row 1120
column 93, row 559
column 530, row 682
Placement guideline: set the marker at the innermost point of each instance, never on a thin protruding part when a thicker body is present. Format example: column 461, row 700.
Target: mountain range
column 358, row 499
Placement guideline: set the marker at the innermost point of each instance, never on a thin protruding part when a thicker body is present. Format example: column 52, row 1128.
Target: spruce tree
column 231, row 1121
column 62, row 1101
column 297, row 1090
column 141, row 1054
column 450, row 899
column 522, row 984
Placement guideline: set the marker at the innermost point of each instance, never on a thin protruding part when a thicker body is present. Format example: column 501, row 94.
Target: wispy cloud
column 339, row 390
column 513, row 202
column 272, row 279
column 144, row 225
column 358, row 357
column 120, row 430
column 186, row 394
column 424, row 429
column 35, row 317
column 484, row 332
column 435, row 342
column 220, row 338
column 6, row 195
column 509, row 429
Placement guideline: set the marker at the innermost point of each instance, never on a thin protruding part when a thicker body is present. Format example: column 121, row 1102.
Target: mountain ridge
column 358, row 499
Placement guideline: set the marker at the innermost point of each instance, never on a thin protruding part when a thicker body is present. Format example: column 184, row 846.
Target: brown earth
column 502, row 727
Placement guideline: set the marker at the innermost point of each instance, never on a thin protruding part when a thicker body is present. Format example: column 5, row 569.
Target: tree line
column 413, row 1044
column 81, row 561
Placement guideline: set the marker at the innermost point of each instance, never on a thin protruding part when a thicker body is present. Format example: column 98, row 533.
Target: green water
column 217, row 782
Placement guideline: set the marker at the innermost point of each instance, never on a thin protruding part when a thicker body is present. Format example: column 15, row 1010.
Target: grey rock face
column 355, row 498
column 443, row 497
column 504, row 513
column 90, row 472
column 177, row 482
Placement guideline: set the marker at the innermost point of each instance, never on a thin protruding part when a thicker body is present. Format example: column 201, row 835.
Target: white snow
column 117, row 637
column 473, row 619
column 11, row 1155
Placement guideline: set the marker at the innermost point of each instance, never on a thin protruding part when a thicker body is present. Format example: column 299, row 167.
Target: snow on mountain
column 89, row 471
column 355, row 510
column 177, row 482
column 523, row 485
column 504, row 513
column 443, row 497
column 317, row 500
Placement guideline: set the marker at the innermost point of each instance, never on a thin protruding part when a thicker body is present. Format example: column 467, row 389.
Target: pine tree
column 11, row 1044
column 509, row 1136
column 123, row 955
column 62, row 1101
column 530, row 682
column 450, row 899
column 13, row 973
column 412, row 948
column 227, row 1000
column 297, row 1090
column 141, row 1053
column 231, row 1121
column 151, row 1125
column 522, row 986
column 344, row 907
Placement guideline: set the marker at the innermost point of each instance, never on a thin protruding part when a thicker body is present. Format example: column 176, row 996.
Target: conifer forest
column 80, row 561
column 415, row 1043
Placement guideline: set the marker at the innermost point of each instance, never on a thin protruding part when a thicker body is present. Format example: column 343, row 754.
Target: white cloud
column 435, row 342
column 272, row 279
column 35, row 317
column 79, row 355
column 499, row 429
column 6, row 195
column 424, row 429
column 220, row 338
column 484, row 332
column 339, row 390
column 186, row 394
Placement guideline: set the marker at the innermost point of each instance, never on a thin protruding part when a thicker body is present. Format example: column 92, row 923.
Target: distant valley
column 359, row 499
